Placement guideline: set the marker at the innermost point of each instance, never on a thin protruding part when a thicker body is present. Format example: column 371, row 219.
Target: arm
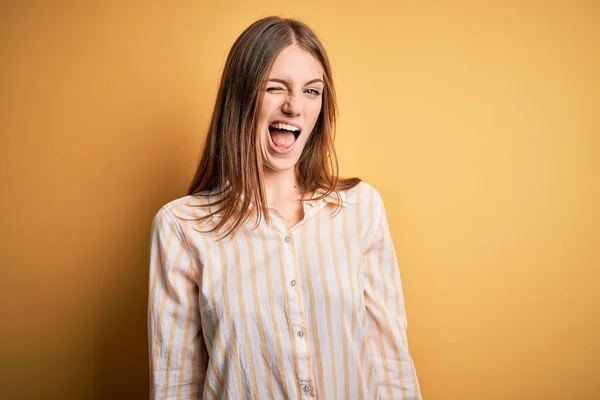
column 386, row 316
column 176, row 347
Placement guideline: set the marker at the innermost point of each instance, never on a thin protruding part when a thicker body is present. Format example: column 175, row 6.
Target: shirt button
column 293, row 283
column 300, row 334
column 287, row 239
column 305, row 388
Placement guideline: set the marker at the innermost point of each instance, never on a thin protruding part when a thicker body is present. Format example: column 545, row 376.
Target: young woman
column 272, row 278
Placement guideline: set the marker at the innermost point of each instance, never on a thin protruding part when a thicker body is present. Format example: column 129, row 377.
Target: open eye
column 312, row 92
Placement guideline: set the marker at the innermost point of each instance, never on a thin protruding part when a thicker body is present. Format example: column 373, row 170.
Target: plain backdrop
column 478, row 121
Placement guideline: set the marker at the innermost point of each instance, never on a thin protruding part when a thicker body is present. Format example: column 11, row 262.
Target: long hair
column 231, row 160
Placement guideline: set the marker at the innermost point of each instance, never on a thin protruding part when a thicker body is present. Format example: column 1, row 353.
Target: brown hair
column 231, row 160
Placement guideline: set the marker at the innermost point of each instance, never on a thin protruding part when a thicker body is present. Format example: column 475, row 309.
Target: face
column 291, row 103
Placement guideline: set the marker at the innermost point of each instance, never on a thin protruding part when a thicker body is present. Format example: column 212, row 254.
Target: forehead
column 297, row 65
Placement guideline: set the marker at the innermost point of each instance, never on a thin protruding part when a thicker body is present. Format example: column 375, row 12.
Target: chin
column 280, row 165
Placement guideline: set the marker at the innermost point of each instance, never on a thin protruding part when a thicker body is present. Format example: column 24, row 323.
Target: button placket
column 297, row 323
column 290, row 258
column 288, row 239
column 290, row 269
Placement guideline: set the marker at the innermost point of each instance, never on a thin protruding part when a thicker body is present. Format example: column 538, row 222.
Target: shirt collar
column 335, row 197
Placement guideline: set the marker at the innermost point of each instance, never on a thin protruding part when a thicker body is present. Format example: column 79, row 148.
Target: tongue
column 282, row 138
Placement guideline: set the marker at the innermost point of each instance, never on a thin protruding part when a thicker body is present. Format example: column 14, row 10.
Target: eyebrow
column 283, row 81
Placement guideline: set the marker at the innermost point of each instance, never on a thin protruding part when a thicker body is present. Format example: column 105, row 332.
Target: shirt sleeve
column 176, row 347
column 386, row 316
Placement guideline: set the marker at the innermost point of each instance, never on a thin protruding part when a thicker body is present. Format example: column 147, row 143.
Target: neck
column 281, row 186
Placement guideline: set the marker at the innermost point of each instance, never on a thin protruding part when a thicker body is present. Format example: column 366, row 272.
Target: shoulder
column 366, row 204
column 185, row 208
column 363, row 194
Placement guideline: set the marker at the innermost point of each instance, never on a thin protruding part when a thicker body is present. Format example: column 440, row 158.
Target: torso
column 264, row 288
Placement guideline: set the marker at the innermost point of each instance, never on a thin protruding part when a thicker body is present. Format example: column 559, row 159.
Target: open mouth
column 283, row 136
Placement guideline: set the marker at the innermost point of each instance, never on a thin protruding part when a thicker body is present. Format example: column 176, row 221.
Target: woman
column 272, row 278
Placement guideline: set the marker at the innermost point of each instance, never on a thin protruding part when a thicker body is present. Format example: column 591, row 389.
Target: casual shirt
column 315, row 311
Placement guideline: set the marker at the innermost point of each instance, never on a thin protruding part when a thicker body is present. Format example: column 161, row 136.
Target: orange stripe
column 194, row 372
column 388, row 326
column 176, row 317
column 403, row 338
column 397, row 280
column 186, row 339
column 157, row 265
column 379, row 327
column 352, row 282
column 360, row 297
column 342, row 302
column 287, row 311
column 213, row 336
column 327, row 306
column 271, row 297
column 401, row 331
column 380, row 339
column 298, row 273
column 163, row 304
column 371, row 373
column 210, row 390
column 227, row 317
column 386, row 297
column 260, row 321
column 371, row 280
column 172, row 324
column 216, row 337
column 313, row 314
column 244, row 317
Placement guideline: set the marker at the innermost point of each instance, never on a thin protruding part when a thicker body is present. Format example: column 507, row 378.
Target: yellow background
column 478, row 122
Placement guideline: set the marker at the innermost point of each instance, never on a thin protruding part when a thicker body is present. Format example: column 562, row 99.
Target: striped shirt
column 315, row 311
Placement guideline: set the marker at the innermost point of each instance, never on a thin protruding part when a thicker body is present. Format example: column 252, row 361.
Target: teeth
column 279, row 125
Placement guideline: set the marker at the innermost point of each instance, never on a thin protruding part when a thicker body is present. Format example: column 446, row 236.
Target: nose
column 292, row 105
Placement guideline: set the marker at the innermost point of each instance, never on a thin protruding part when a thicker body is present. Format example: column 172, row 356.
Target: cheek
column 270, row 104
column 313, row 110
